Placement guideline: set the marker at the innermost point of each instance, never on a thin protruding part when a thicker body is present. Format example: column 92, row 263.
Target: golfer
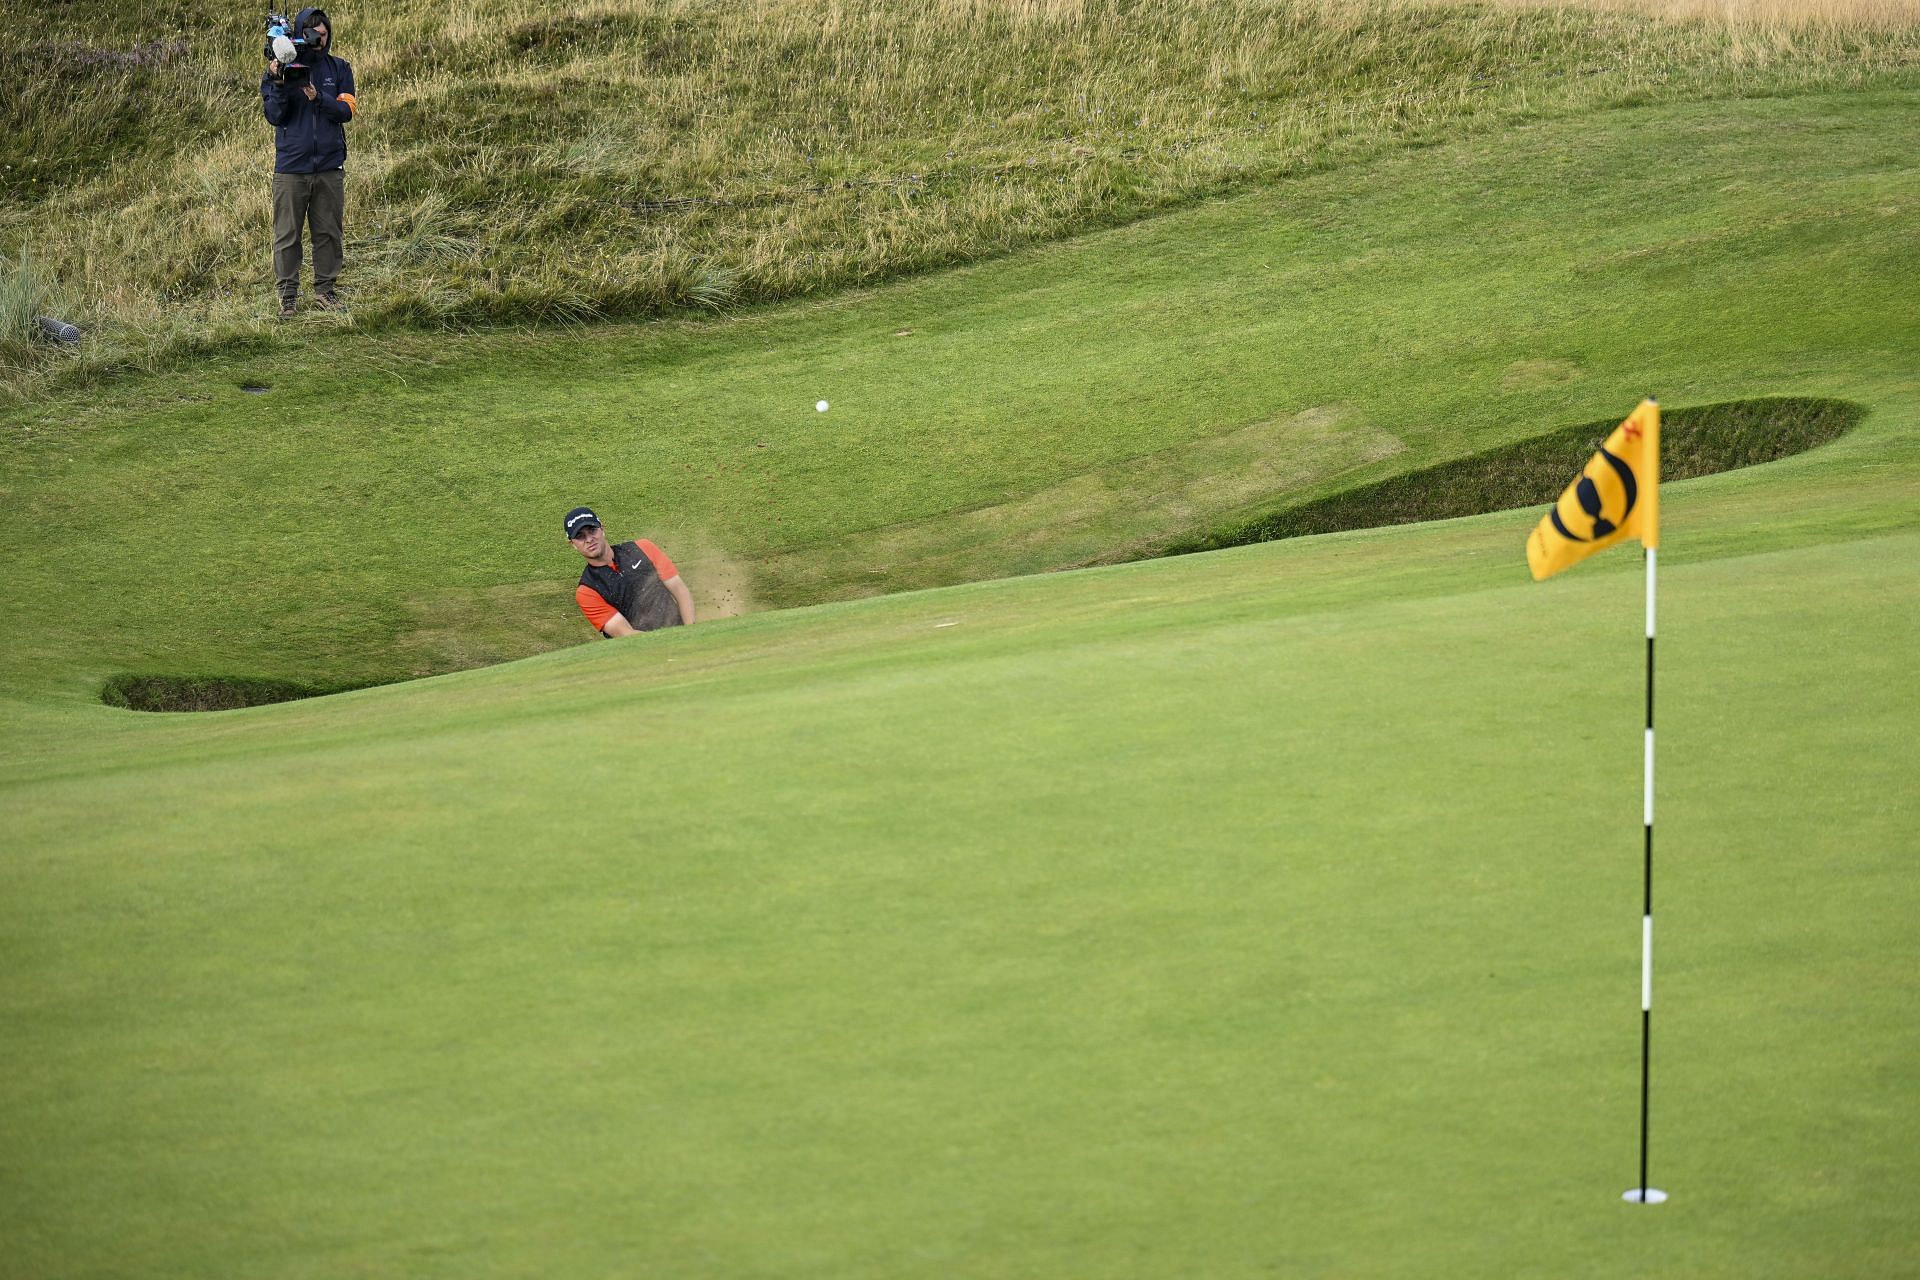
column 625, row 588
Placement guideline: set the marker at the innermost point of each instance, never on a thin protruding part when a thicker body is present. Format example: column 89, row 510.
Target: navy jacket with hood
column 311, row 137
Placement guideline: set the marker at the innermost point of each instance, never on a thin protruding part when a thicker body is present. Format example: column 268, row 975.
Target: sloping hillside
column 1076, row 403
column 539, row 161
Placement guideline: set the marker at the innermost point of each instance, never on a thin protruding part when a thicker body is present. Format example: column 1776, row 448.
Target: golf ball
column 819, row 406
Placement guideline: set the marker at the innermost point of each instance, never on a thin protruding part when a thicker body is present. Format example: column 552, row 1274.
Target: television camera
column 290, row 47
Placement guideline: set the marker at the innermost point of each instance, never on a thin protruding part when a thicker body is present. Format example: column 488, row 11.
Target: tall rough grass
column 1813, row 16
column 27, row 292
column 536, row 160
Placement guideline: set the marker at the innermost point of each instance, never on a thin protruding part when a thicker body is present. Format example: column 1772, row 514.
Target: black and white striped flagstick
column 1643, row 1194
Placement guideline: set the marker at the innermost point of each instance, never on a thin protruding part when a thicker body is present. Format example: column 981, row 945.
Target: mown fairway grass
column 1269, row 911
column 1085, row 401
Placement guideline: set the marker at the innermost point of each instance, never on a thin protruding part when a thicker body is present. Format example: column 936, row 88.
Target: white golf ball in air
column 819, row 406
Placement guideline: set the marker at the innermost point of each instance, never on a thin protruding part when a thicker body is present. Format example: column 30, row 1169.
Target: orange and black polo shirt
column 633, row 586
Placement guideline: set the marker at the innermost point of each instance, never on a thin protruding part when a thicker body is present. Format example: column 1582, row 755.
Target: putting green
column 1188, row 917
column 1274, row 910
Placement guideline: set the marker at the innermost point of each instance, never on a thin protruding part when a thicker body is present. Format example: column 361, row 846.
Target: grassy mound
column 1697, row 441
column 561, row 161
column 387, row 507
column 1700, row 441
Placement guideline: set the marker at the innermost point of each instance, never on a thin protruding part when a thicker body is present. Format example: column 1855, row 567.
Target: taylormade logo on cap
column 580, row 518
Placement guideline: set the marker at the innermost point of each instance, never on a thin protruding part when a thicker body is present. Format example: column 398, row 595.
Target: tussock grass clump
column 1699, row 441
column 535, row 160
column 27, row 291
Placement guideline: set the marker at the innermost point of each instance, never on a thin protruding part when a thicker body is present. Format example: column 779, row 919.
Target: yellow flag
column 1615, row 496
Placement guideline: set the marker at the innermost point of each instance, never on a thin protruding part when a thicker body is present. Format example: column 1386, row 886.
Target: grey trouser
column 318, row 200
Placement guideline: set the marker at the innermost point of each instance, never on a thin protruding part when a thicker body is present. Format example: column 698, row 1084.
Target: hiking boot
column 329, row 301
column 289, row 308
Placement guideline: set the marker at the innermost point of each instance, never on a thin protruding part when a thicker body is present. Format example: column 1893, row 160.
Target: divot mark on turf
column 1528, row 375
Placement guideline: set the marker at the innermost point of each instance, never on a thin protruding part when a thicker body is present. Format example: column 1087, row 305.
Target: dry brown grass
column 1875, row 15
column 1761, row 15
column 538, row 161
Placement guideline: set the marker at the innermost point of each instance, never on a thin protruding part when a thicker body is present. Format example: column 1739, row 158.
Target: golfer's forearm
column 684, row 598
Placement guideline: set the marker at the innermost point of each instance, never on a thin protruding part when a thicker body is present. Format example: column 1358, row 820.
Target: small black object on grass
column 63, row 332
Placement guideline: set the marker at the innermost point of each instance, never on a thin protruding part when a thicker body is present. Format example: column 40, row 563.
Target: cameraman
column 308, row 101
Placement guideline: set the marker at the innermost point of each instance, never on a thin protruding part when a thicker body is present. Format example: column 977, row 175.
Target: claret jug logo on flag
column 1616, row 496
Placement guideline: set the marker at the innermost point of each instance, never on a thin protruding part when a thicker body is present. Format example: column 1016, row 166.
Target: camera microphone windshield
column 286, row 46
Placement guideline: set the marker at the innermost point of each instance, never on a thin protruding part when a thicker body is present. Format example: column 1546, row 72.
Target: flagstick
column 1623, row 477
column 1643, row 1194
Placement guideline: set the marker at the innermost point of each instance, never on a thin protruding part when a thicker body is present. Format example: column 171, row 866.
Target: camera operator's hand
column 274, row 70
column 312, row 92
